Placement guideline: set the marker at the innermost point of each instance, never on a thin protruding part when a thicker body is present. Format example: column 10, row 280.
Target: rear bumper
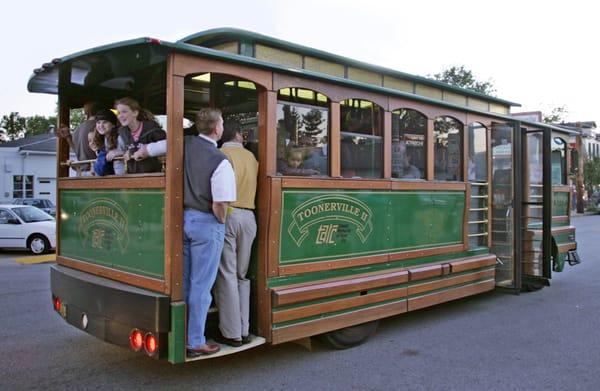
column 112, row 309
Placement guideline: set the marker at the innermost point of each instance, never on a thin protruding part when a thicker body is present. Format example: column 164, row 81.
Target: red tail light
column 136, row 340
column 56, row 303
column 150, row 344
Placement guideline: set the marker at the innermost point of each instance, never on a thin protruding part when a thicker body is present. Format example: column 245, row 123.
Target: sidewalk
column 575, row 214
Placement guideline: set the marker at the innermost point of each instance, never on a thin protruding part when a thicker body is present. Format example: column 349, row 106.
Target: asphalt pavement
column 544, row 340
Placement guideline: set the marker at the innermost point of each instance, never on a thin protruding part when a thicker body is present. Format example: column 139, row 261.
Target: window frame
column 424, row 147
column 381, row 130
column 460, row 149
column 294, row 100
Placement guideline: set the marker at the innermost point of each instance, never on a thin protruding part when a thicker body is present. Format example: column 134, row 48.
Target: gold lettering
column 325, row 234
column 97, row 238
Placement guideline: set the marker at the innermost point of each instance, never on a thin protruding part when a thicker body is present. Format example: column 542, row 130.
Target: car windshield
column 30, row 214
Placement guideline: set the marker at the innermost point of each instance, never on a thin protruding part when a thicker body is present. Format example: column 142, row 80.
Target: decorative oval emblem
column 330, row 209
column 103, row 226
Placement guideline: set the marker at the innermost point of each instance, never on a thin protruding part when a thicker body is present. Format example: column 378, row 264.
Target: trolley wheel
column 350, row 336
column 532, row 286
column 38, row 244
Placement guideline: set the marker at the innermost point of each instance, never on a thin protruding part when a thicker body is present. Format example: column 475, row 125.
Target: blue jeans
column 203, row 237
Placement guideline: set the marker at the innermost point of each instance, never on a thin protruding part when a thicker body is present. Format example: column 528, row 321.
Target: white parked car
column 41, row 203
column 23, row 226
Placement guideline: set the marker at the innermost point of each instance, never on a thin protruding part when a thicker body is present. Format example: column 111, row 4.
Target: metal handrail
column 480, row 234
column 70, row 163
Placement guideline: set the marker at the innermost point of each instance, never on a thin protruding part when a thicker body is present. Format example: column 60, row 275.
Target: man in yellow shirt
column 232, row 287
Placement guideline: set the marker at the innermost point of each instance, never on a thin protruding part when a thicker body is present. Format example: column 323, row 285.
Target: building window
column 409, row 130
column 448, row 149
column 302, row 132
column 361, row 132
column 22, row 186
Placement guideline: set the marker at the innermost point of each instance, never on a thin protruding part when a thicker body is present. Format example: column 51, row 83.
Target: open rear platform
column 226, row 350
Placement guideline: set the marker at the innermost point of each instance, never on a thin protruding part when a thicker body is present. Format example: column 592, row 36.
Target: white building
column 590, row 136
column 28, row 168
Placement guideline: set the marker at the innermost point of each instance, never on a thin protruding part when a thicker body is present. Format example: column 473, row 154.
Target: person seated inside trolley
column 409, row 171
column 293, row 163
column 317, row 158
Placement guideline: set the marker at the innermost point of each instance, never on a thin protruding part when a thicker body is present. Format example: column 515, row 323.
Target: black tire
column 532, row 287
column 38, row 244
column 350, row 336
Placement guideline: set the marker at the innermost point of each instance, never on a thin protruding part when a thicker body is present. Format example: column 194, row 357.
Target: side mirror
column 13, row 221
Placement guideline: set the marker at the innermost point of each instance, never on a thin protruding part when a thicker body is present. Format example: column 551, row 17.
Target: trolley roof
column 140, row 64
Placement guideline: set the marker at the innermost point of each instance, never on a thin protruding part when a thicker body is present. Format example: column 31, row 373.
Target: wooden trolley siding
column 182, row 60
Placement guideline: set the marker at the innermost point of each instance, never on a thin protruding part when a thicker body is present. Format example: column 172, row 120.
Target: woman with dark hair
column 106, row 138
column 138, row 128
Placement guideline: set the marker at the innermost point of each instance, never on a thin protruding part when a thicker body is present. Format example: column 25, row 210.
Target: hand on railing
column 63, row 131
column 75, row 163
column 114, row 155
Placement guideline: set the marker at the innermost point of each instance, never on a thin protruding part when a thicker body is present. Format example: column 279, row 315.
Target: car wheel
column 38, row 244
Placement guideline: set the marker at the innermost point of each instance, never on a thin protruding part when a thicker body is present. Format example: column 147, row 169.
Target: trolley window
column 409, row 130
column 448, row 150
column 361, row 139
column 302, row 132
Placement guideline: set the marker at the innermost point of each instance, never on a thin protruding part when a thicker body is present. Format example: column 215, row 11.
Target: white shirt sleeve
column 158, row 148
column 222, row 183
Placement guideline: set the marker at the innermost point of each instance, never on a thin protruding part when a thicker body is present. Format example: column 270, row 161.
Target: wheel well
column 30, row 237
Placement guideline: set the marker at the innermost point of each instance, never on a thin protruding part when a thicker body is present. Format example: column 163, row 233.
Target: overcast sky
column 539, row 54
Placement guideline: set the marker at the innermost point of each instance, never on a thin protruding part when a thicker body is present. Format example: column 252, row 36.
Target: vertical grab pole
column 174, row 184
column 518, row 154
column 547, row 203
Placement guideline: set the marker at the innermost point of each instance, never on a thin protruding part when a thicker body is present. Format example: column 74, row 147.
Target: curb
column 36, row 259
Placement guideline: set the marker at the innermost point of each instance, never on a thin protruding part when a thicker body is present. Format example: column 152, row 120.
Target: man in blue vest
column 209, row 187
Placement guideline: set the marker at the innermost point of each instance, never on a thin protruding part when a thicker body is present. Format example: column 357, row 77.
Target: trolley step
column 227, row 350
column 573, row 258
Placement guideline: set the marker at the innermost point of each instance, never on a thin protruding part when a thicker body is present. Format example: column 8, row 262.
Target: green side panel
column 177, row 333
column 120, row 229
column 560, row 204
column 321, row 225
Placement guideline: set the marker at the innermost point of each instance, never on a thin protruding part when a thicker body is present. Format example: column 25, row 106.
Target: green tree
column 591, row 174
column 76, row 117
column 291, row 122
column 13, row 126
column 557, row 115
column 459, row 76
column 312, row 122
column 38, row 124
